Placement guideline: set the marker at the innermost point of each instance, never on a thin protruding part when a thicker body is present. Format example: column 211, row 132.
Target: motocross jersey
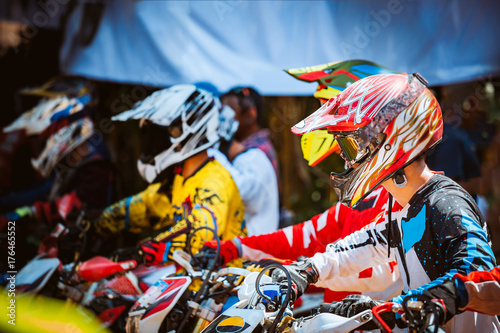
column 312, row 236
column 482, row 290
column 254, row 175
column 149, row 209
column 207, row 198
column 439, row 232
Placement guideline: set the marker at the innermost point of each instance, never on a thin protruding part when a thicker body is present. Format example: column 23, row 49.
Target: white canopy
column 230, row 43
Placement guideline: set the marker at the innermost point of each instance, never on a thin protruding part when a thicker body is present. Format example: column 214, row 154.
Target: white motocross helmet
column 44, row 114
column 176, row 123
column 62, row 143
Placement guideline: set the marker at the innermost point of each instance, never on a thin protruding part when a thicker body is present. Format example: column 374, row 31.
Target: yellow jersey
column 207, row 198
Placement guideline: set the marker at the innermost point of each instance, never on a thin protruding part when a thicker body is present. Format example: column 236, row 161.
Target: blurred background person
column 252, row 172
column 456, row 155
column 248, row 105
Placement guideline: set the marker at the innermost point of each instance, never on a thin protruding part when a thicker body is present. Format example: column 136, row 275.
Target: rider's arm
column 374, row 279
column 303, row 239
column 312, row 236
column 351, row 255
column 462, row 242
column 89, row 186
column 136, row 213
column 38, row 191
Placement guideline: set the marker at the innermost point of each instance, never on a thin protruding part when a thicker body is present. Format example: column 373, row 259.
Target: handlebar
column 419, row 312
column 381, row 308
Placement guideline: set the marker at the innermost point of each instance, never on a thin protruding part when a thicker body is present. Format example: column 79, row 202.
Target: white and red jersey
column 312, row 236
column 483, row 291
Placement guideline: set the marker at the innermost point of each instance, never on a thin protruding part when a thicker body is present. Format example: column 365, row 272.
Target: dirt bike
column 107, row 288
column 190, row 302
column 265, row 306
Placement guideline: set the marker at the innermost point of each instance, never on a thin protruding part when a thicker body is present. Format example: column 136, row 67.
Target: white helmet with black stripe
column 176, row 123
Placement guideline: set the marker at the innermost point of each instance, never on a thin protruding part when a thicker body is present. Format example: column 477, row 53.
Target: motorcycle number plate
column 235, row 320
column 169, row 289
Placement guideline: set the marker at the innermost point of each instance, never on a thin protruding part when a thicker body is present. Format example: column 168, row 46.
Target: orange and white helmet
column 382, row 123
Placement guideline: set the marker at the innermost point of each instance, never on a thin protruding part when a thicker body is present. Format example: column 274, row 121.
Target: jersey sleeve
column 137, row 213
column 463, row 241
column 374, row 279
column 312, row 236
column 353, row 254
column 37, row 192
column 303, row 239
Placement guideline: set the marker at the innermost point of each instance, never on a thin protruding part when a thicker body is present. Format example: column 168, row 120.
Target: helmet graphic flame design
column 382, row 124
column 332, row 79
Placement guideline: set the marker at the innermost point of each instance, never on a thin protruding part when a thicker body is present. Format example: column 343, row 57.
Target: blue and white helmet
column 177, row 123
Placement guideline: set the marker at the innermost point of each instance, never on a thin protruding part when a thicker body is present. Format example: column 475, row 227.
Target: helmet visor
column 349, row 147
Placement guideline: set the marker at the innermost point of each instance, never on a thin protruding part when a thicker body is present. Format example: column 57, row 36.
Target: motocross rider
column 249, row 168
column 74, row 160
column 190, row 189
column 312, row 236
column 74, row 164
column 384, row 125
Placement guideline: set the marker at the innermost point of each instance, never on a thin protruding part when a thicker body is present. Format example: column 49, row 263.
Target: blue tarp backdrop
column 231, row 43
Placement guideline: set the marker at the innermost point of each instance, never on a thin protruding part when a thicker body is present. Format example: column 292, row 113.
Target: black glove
column 228, row 250
column 448, row 292
column 354, row 304
column 128, row 253
column 302, row 273
column 205, row 258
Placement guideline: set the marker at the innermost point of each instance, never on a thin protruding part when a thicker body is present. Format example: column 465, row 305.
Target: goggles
column 353, row 151
column 153, row 139
column 356, row 160
column 349, row 148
